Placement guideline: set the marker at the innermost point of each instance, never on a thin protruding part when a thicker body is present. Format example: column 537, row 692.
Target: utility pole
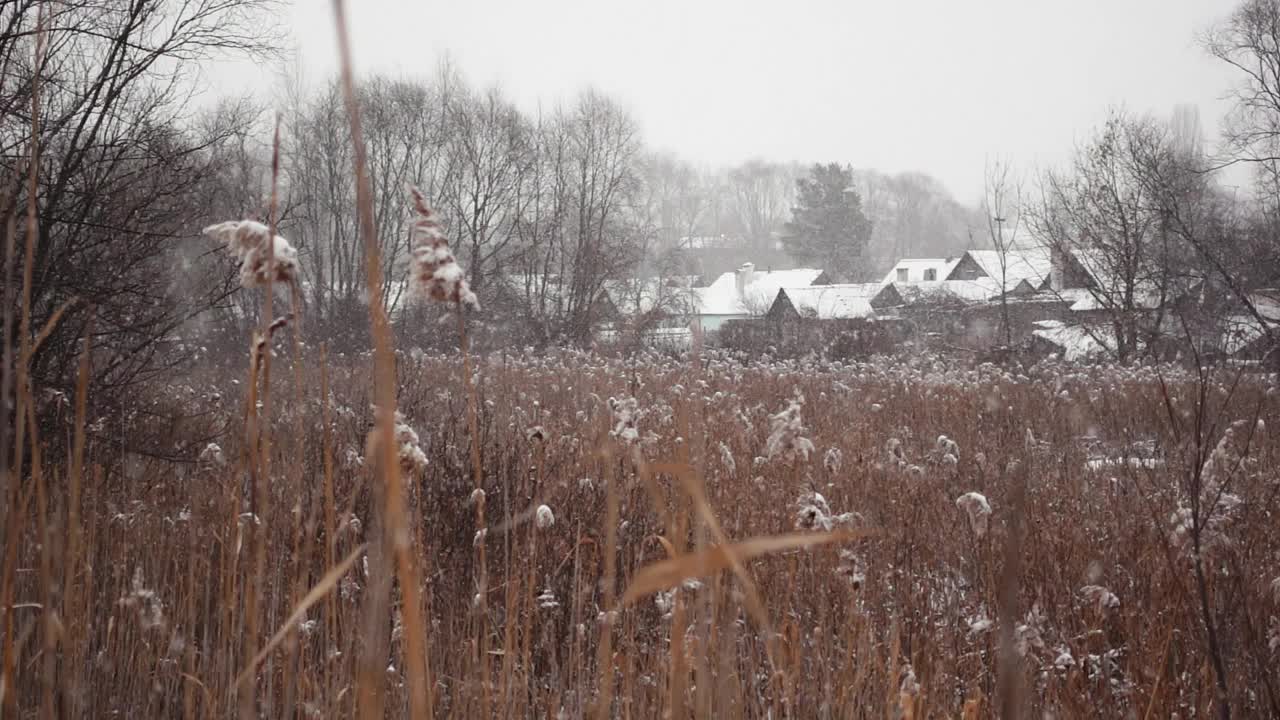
column 1003, row 253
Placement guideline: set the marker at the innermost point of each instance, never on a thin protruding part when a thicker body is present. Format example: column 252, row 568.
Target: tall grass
column 907, row 621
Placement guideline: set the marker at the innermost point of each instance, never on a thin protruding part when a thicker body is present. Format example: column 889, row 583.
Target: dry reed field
column 1079, row 553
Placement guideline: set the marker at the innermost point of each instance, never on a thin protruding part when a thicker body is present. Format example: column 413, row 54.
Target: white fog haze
column 937, row 86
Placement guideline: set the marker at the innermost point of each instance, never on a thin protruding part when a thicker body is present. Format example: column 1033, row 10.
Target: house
column 1245, row 338
column 948, row 292
column 650, row 311
column 970, row 314
column 746, row 293
column 1091, row 281
column 959, row 300
column 1074, row 343
column 1024, row 271
column 909, row 270
column 1067, row 272
column 833, row 302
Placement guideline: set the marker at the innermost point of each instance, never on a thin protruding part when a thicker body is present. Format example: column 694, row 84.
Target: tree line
column 1145, row 209
column 546, row 209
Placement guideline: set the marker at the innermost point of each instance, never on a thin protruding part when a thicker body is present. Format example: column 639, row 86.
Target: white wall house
column 910, row 270
column 746, row 293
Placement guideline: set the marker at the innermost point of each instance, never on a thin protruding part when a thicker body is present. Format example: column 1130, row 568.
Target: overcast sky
column 930, row 85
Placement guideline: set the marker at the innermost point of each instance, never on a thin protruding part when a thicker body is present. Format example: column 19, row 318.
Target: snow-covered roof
column 980, row 290
column 1239, row 332
column 1242, row 329
column 1110, row 283
column 1084, row 299
column 834, row 302
column 1033, row 265
column 916, row 268
column 722, row 297
column 1267, row 303
column 1077, row 342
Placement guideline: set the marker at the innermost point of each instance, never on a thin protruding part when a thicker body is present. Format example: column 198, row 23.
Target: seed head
column 436, row 274
column 978, row 509
column 544, row 518
column 246, row 240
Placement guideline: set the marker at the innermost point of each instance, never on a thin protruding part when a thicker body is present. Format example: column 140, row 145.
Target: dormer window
column 930, row 274
column 902, row 274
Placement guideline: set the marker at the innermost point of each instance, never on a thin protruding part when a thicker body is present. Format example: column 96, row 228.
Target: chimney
column 742, row 277
column 1057, row 268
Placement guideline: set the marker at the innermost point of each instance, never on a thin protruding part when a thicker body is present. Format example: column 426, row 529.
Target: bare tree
column 489, row 154
column 1203, row 230
column 318, row 174
column 123, row 173
column 913, row 215
column 1100, row 217
column 604, row 143
column 407, row 137
column 1249, row 41
column 762, row 194
column 579, row 227
column 1001, row 204
column 675, row 198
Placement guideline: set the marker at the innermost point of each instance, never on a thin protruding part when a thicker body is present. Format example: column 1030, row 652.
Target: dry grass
column 158, row 556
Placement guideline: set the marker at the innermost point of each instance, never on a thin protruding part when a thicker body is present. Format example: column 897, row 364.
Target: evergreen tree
column 828, row 228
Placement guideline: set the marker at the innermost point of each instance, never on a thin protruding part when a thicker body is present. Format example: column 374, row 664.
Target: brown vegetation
column 1106, row 618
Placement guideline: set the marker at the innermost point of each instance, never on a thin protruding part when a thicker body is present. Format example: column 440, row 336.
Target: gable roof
column 833, row 302
column 1267, row 303
column 1033, row 265
column 1108, row 283
column 969, row 291
column 1242, row 330
column 916, row 268
column 1076, row 342
column 722, row 297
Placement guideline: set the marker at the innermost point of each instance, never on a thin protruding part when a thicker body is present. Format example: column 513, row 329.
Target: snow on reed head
column 412, row 459
column 547, row 599
column 246, row 240
column 212, row 455
column 435, row 274
column 626, row 413
column 726, row 457
column 833, row 460
column 812, row 512
column 1100, row 597
column 786, row 435
column 146, row 602
column 544, row 518
column 948, row 450
column 979, row 510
